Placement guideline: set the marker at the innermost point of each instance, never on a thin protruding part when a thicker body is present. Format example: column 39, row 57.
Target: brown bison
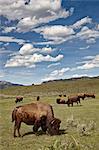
column 60, row 101
column 37, row 114
column 19, row 99
column 71, row 100
column 81, row 96
column 89, row 95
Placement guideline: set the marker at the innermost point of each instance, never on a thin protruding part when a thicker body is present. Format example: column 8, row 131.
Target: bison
column 71, row 100
column 81, row 96
column 18, row 99
column 60, row 101
column 89, row 95
column 37, row 114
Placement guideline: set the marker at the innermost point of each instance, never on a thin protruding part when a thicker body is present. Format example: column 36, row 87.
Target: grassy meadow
column 82, row 114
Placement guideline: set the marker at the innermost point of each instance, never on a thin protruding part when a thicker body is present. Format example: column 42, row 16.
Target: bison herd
column 73, row 99
column 41, row 115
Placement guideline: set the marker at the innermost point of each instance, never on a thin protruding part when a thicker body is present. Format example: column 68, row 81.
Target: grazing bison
column 18, row 99
column 89, row 95
column 37, row 114
column 72, row 100
column 60, row 101
column 81, row 96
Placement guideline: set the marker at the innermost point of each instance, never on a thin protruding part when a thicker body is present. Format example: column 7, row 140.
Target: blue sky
column 48, row 39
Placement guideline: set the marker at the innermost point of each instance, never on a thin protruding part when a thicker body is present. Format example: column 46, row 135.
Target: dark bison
column 89, row 95
column 37, row 114
column 71, row 100
column 81, row 96
column 18, row 99
column 60, row 101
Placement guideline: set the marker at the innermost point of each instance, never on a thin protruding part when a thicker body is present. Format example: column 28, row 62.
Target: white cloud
column 8, row 29
column 79, row 75
column 82, row 22
column 47, row 50
column 97, row 27
column 88, row 57
column 83, row 48
column 56, row 33
column 27, row 49
column 28, row 23
column 32, row 14
column 11, row 39
column 56, row 74
column 87, row 34
column 55, row 64
column 90, row 64
column 91, row 41
column 30, row 60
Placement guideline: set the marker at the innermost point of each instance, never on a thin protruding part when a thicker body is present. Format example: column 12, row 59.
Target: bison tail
column 14, row 115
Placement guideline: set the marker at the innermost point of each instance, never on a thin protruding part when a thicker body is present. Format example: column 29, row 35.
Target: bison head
column 54, row 125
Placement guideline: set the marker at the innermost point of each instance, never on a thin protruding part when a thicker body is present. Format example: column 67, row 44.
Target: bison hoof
column 15, row 136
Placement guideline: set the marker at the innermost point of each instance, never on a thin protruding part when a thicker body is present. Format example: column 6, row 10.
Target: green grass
column 89, row 111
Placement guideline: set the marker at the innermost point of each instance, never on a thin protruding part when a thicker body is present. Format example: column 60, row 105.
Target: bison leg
column 18, row 129
column 68, row 104
column 36, row 125
column 43, row 123
column 15, row 127
column 72, row 104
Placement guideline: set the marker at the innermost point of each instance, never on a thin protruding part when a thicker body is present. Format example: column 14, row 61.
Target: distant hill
column 55, row 87
column 53, row 83
column 5, row 84
column 72, row 79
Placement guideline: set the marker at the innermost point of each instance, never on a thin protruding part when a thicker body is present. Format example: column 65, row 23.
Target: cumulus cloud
column 11, row 39
column 28, row 56
column 56, row 33
column 56, row 74
column 88, row 34
column 91, row 41
column 28, row 23
column 90, row 64
column 8, row 29
column 31, row 60
column 28, row 48
column 82, row 22
column 32, row 14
